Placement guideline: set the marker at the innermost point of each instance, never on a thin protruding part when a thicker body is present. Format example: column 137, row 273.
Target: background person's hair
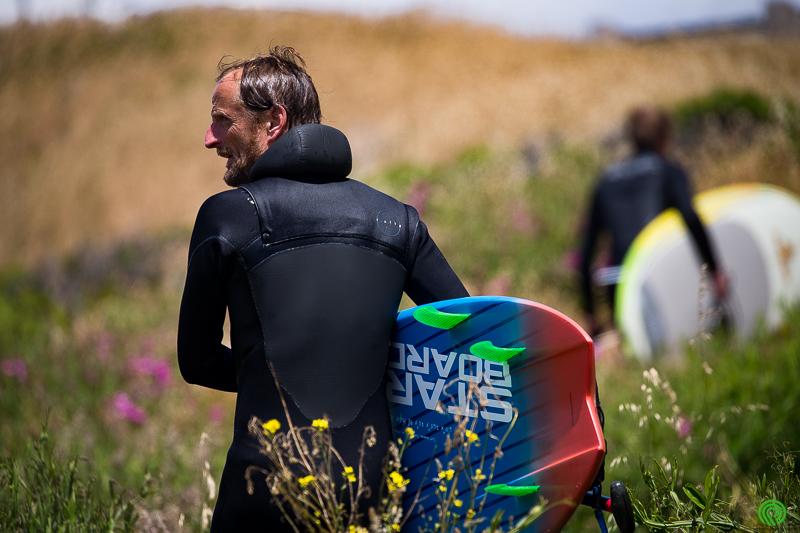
column 279, row 77
column 649, row 127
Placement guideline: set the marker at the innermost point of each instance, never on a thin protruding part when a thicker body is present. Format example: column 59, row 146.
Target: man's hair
column 649, row 127
column 279, row 77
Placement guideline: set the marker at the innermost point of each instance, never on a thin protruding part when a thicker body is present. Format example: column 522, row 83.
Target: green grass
column 39, row 493
column 102, row 374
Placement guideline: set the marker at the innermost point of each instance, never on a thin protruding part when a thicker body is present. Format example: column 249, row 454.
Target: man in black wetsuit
column 631, row 194
column 310, row 266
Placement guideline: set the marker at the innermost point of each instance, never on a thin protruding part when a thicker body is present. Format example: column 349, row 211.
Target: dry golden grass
column 103, row 125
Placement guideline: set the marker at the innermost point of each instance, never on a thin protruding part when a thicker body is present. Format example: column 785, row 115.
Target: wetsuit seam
column 358, row 236
column 371, row 394
column 261, row 232
column 321, row 244
column 205, row 241
column 248, row 244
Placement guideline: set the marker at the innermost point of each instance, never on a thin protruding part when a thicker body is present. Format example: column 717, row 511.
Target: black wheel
column 621, row 507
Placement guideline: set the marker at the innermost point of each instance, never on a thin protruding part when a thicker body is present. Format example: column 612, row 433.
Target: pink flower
column 104, row 346
column 499, row 286
column 15, row 368
column 156, row 368
column 124, row 408
column 521, row 220
column 418, row 195
column 572, row 259
column 216, row 414
column 683, row 425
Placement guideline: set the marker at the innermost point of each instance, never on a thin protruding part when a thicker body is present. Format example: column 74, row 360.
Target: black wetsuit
column 311, row 267
column 628, row 196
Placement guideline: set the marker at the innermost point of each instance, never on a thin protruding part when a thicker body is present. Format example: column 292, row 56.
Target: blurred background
column 493, row 119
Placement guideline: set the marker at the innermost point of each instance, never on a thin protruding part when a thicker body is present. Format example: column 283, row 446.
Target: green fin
column 486, row 350
column 434, row 318
column 504, row 490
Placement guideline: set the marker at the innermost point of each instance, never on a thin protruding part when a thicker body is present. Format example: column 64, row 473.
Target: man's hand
column 592, row 326
column 721, row 284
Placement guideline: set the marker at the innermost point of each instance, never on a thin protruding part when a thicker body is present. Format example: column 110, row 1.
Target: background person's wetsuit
column 628, row 196
column 311, row 267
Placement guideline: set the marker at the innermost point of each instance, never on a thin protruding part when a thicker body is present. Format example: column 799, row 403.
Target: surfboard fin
column 430, row 316
column 504, row 490
column 486, row 350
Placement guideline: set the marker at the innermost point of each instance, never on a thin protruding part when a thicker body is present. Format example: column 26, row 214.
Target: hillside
column 104, row 124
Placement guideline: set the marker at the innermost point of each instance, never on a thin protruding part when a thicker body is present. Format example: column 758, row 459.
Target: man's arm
column 679, row 195
column 202, row 358
column 430, row 277
column 592, row 230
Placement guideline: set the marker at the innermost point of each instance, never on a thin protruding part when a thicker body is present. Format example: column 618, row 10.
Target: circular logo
column 772, row 512
column 388, row 223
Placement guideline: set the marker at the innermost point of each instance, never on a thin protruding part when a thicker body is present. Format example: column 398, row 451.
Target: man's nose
column 212, row 141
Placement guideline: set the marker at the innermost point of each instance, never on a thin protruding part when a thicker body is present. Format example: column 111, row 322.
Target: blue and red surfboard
column 522, row 357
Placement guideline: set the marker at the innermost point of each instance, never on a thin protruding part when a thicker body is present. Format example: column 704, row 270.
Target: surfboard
column 661, row 299
column 533, row 370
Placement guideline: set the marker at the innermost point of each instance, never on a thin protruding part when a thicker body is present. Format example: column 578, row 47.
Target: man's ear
column 277, row 123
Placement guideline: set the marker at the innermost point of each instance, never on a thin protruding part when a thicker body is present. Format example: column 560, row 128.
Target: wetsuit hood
column 311, row 153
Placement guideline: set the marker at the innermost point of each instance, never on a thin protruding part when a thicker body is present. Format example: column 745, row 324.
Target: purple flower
column 572, row 259
column 216, row 414
column 15, row 368
column 418, row 195
column 499, row 285
column 521, row 220
column 156, row 368
column 683, row 425
column 104, row 346
column 124, row 408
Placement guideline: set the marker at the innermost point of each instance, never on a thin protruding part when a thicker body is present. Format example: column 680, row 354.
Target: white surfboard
column 662, row 302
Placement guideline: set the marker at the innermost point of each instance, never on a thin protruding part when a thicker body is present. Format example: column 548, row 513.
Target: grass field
column 495, row 139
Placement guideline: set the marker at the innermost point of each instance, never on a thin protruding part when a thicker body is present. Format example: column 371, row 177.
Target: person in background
column 629, row 195
column 310, row 267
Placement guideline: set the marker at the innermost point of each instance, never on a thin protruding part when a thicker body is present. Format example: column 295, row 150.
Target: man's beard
column 239, row 171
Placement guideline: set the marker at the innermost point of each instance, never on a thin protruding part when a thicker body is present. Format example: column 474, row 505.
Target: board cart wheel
column 621, row 507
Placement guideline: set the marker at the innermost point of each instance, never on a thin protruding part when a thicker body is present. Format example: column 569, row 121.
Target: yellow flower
column 348, row 473
column 478, row 475
column 395, row 527
column 305, row 481
column 410, row 433
column 471, row 437
column 447, row 474
column 458, row 503
column 442, row 488
column 470, row 514
column 320, row 424
column 397, row 480
column 271, row 427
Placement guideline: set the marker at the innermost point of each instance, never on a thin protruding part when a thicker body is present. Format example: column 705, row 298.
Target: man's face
column 233, row 133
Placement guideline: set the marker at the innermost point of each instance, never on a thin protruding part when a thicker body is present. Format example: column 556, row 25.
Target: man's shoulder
column 228, row 215
column 642, row 164
column 365, row 189
column 220, row 205
column 388, row 202
column 674, row 168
